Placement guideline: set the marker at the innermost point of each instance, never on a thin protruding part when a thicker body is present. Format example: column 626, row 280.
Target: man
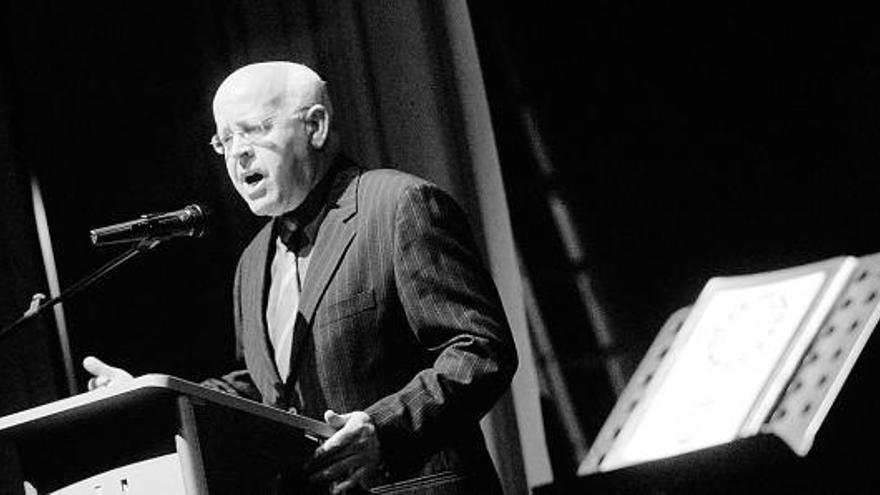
column 363, row 301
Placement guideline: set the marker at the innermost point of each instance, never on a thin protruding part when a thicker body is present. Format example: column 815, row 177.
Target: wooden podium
column 158, row 434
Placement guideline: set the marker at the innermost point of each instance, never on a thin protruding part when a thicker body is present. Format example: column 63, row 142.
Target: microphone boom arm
column 34, row 310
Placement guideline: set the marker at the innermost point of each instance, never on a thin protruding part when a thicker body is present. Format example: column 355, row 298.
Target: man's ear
column 318, row 123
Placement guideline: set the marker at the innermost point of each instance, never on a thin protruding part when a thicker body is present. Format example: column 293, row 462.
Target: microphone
column 187, row 222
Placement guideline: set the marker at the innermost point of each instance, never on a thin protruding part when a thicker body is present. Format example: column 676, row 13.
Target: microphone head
column 190, row 221
column 197, row 217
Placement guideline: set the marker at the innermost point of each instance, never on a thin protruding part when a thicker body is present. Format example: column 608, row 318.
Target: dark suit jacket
column 397, row 318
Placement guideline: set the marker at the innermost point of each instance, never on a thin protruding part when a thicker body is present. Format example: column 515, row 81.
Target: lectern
column 158, row 434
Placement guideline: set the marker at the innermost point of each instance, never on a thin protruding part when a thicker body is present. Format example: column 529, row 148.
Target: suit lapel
column 334, row 237
column 254, row 293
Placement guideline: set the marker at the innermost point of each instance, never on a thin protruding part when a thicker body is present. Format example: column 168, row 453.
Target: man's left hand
column 349, row 456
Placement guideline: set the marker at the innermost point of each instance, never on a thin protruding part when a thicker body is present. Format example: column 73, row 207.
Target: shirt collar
column 298, row 228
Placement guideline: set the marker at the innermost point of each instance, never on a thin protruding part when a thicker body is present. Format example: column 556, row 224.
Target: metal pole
column 52, row 279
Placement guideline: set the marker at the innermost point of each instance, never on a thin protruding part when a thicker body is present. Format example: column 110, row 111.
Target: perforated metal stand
column 828, row 361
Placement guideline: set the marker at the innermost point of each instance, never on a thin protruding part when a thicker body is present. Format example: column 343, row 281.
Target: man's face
column 268, row 157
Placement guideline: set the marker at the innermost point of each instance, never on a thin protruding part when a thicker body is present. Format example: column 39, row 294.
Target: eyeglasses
column 248, row 133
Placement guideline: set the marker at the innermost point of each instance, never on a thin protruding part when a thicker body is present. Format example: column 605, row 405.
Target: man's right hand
column 104, row 375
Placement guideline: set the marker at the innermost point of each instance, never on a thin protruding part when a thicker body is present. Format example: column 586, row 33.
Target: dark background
column 690, row 140
column 110, row 108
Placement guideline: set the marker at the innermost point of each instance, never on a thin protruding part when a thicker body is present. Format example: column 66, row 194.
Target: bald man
column 362, row 301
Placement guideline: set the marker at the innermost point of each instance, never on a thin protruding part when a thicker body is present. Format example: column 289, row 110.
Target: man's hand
column 349, row 456
column 104, row 375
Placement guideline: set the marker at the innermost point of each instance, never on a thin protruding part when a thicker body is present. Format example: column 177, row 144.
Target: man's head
column 273, row 122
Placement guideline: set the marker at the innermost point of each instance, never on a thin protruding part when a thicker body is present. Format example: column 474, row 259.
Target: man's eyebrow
column 249, row 122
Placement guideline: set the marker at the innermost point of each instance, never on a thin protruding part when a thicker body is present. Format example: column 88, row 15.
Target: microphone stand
column 38, row 307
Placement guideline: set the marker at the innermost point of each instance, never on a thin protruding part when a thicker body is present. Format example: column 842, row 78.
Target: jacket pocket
column 348, row 306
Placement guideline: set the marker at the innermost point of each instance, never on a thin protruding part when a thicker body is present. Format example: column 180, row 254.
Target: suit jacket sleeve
column 452, row 306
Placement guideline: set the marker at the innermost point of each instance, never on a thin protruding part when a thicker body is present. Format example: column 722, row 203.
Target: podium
column 159, row 434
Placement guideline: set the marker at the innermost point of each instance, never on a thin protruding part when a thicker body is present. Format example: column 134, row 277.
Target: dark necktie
column 282, row 306
column 292, row 236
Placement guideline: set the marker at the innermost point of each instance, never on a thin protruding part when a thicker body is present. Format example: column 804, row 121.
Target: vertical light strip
column 499, row 238
column 52, row 279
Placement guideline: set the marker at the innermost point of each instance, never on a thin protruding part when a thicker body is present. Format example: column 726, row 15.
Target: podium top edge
column 147, row 387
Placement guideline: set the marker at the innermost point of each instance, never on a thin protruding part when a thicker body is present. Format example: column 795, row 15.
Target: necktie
column 288, row 269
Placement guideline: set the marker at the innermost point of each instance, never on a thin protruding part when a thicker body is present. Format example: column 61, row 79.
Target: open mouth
column 253, row 178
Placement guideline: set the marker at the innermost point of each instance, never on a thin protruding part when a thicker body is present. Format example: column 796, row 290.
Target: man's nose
column 241, row 147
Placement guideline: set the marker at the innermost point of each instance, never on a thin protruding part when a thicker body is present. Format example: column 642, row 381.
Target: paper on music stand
column 719, row 369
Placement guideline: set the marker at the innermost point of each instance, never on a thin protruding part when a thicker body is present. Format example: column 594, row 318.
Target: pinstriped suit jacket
column 397, row 318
